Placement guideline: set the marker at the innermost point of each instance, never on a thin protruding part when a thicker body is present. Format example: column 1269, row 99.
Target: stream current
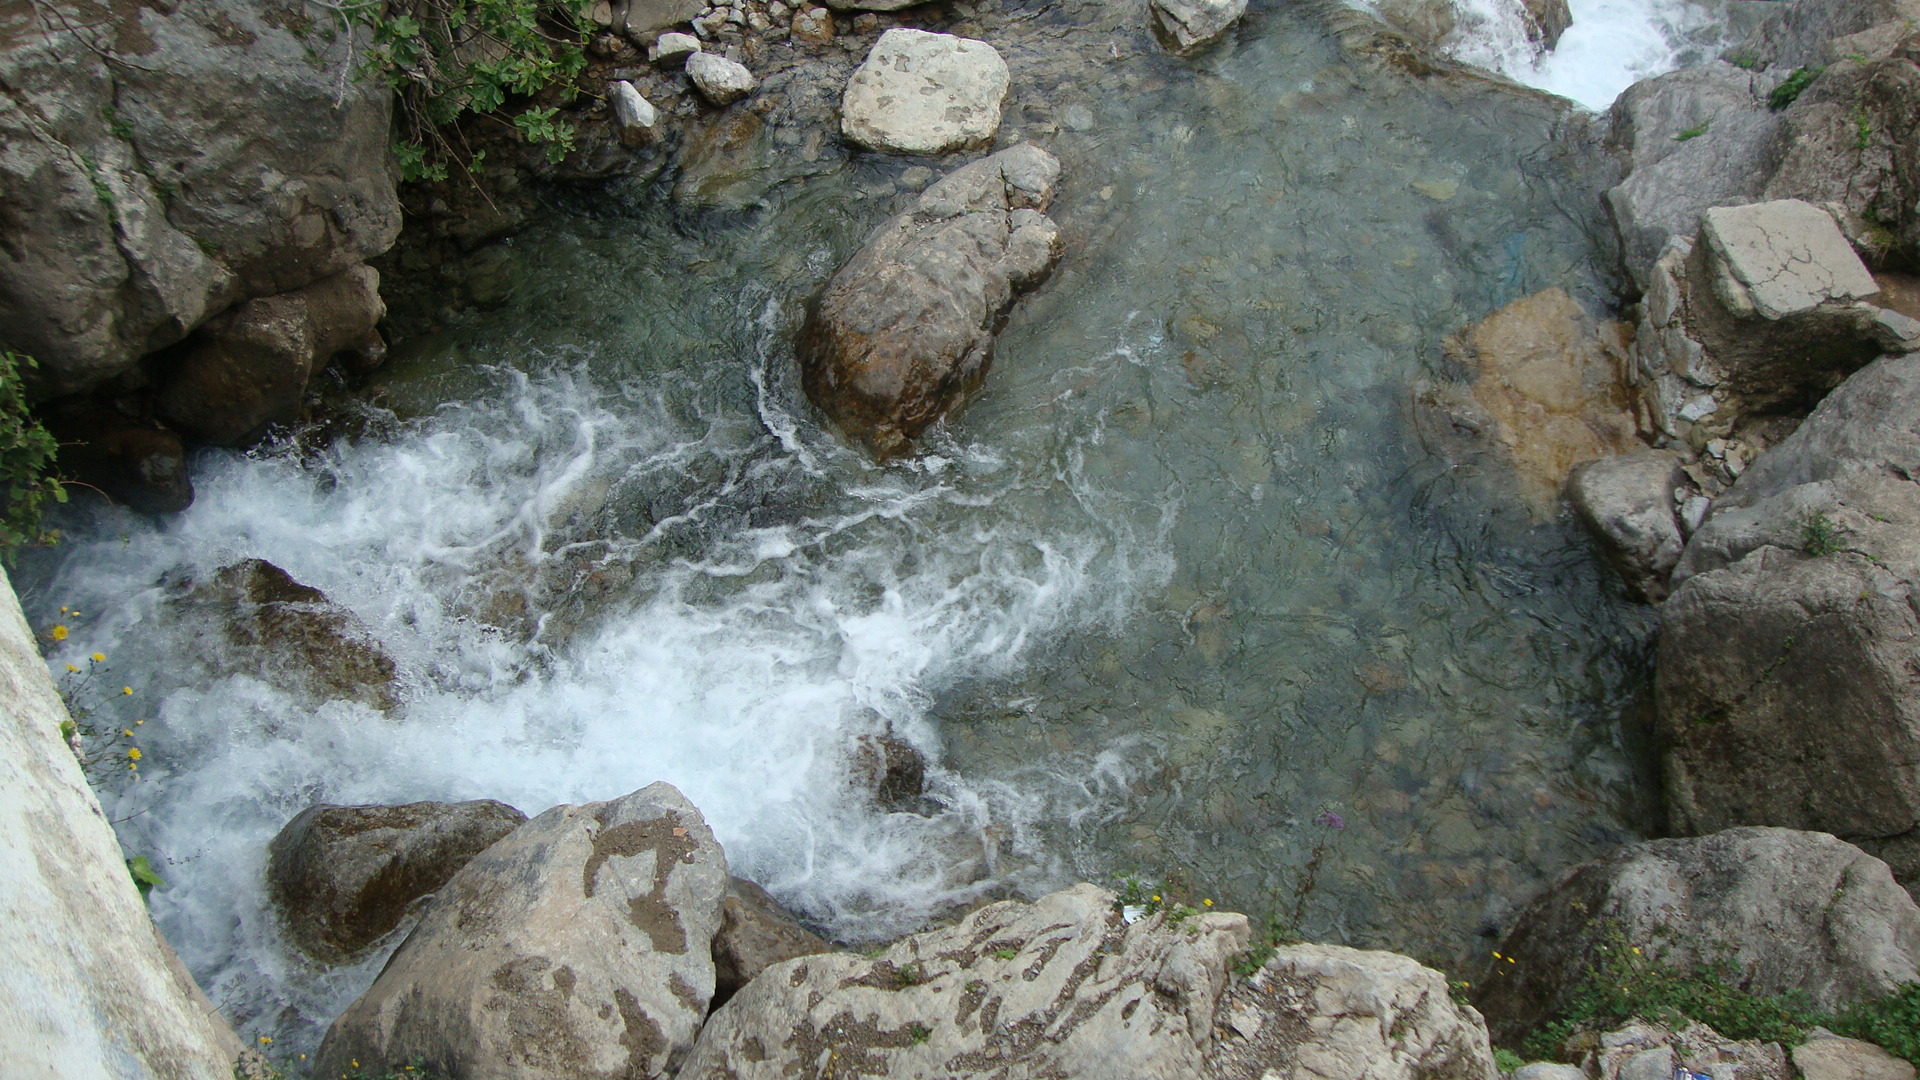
column 1182, row 595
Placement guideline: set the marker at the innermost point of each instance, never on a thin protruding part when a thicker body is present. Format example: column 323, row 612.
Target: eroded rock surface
column 925, row 93
column 755, row 934
column 344, row 876
column 1780, row 259
column 904, row 332
column 1649, row 1051
column 1627, row 502
column 1061, row 986
column 1790, row 910
column 580, row 945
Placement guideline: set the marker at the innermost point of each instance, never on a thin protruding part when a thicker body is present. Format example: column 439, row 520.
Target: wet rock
column 1427, row 22
column 344, row 876
column 924, row 93
column 1188, row 27
column 1783, row 682
column 1551, row 377
column 755, row 934
column 635, row 117
column 165, row 161
column 1790, row 911
column 904, row 331
column 1647, row 1051
column 1692, row 138
column 1811, row 33
column 290, row 634
column 1777, row 260
column 890, row 768
column 639, row 17
column 814, row 26
column 249, row 367
column 139, row 466
column 672, row 50
column 1547, row 20
column 720, row 80
column 1627, row 503
column 581, row 944
column 1328, row 1011
column 1062, row 986
column 1825, row 1056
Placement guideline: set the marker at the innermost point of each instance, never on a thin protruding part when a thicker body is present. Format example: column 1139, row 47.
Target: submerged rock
column 889, row 768
column 1627, row 502
column 1187, row 27
column 581, row 944
column 755, row 934
column 344, row 876
column 1788, row 910
column 924, row 93
column 904, row 331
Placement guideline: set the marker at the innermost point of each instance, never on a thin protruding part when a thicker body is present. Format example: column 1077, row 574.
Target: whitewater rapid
column 1610, row 45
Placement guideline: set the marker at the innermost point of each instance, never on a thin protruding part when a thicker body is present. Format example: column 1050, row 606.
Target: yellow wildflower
column 70, row 667
column 58, row 633
column 128, row 732
column 133, row 753
column 1208, row 903
column 126, row 690
column 99, row 658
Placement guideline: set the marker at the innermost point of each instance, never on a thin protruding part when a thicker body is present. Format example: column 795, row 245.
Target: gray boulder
column 924, row 93
column 1825, row 1056
column 1647, row 1051
column 345, row 876
column 1785, row 910
column 1627, row 502
column 1059, row 987
column 160, row 162
column 633, row 115
column 1781, row 259
column 904, row 331
column 755, row 934
column 580, row 945
column 637, row 18
column 1810, row 33
column 720, row 80
column 1187, row 27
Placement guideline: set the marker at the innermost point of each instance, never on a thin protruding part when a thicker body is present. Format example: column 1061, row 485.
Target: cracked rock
column 1776, row 260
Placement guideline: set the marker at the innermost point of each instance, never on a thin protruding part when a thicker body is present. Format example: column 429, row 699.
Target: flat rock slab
column 1186, row 27
column 344, row 876
column 924, row 93
column 1848, row 1059
column 1781, row 259
column 580, row 945
column 1059, row 987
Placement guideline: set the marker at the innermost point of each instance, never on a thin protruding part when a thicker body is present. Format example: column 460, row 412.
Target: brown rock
column 344, row 876
column 904, row 332
column 814, row 26
column 137, row 465
column 1547, row 20
column 890, row 768
column 755, row 934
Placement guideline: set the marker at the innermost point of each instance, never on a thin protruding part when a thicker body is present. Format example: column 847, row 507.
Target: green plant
column 1862, row 128
column 1506, row 1060
column 1693, row 132
column 446, row 59
column 1819, row 535
column 145, row 877
column 1007, row 953
column 1789, row 90
column 919, row 1032
column 1891, row 1022
column 1275, row 934
column 1744, row 60
column 27, row 455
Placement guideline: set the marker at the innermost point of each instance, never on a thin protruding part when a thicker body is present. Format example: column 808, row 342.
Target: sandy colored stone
column 924, row 93
column 1782, row 258
column 1836, row 1058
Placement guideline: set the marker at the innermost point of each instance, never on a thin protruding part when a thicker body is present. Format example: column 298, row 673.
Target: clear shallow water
column 1183, row 579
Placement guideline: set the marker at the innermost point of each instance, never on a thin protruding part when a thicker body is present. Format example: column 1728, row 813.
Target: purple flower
column 1330, row 819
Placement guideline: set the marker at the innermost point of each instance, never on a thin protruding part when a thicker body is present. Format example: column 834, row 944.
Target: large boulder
column 925, row 93
column 1627, row 502
column 1187, row 27
column 160, row 162
column 248, row 367
column 1812, row 33
column 1825, row 1056
column 904, row 331
column 345, row 876
column 579, row 945
column 1782, row 910
column 1642, row 1050
column 1062, row 986
column 271, row 626
column 755, row 934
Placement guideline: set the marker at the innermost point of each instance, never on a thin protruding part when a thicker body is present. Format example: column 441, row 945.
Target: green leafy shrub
column 1693, row 132
column 1891, row 1022
column 1506, row 1060
column 446, row 59
column 1819, row 535
column 26, row 461
column 1789, row 91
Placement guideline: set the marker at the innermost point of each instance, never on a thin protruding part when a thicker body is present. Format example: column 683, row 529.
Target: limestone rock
column 249, row 367
column 1347, row 1014
column 720, row 80
column 1627, row 502
column 1647, row 1051
column 640, row 17
column 1836, row 1058
column 1551, row 378
column 344, row 876
column 904, row 331
column 1781, row 259
column 274, row 627
column 923, row 93
column 755, row 934
column 1810, row 33
column 1428, row 22
column 1790, row 910
column 635, row 117
column 1062, row 986
column 1187, row 27
column 169, row 160
column 581, row 944
column 672, row 50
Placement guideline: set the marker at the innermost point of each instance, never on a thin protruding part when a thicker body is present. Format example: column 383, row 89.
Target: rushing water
column 1180, row 592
